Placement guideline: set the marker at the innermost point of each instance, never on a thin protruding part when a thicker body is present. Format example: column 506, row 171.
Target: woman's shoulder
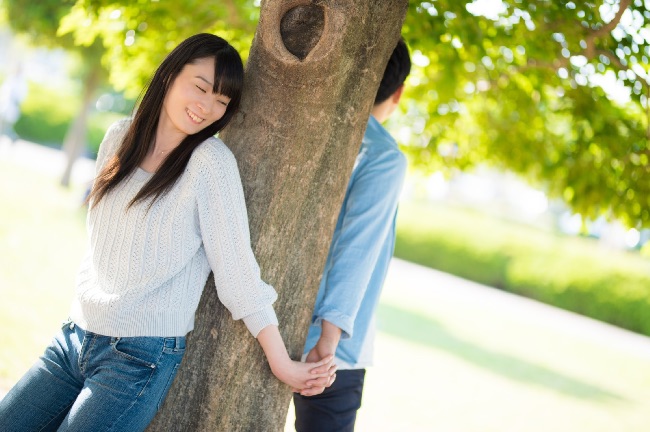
column 213, row 151
column 112, row 139
column 118, row 128
column 211, row 163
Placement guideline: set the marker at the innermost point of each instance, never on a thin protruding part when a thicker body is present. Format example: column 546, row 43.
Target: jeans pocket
column 131, row 364
column 145, row 351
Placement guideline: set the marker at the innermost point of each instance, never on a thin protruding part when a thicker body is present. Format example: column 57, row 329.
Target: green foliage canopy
column 514, row 84
column 40, row 23
column 139, row 34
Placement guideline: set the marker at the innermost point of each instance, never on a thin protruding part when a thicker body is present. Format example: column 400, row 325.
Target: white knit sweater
column 145, row 270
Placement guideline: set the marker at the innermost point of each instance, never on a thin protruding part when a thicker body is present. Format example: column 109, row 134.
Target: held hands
column 296, row 374
column 324, row 348
column 302, row 377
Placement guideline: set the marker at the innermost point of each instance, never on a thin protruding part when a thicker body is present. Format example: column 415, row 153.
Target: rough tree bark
column 311, row 77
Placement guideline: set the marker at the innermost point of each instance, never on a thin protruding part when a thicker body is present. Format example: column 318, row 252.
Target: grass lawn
column 42, row 240
column 448, row 359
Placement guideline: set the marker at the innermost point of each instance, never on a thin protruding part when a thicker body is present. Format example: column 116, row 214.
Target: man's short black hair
column 397, row 69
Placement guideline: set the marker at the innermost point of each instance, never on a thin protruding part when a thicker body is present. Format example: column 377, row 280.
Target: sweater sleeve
column 223, row 223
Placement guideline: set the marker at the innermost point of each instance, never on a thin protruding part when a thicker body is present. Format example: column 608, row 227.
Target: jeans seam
column 110, row 428
column 57, row 415
column 135, row 400
column 85, row 350
column 168, row 385
column 153, row 366
column 153, row 371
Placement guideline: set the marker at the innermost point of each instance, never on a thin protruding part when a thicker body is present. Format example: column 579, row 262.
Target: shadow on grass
column 415, row 327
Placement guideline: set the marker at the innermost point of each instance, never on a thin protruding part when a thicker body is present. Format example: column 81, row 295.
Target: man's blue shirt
column 361, row 248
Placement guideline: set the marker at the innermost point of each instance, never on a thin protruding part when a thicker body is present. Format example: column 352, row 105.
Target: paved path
column 45, row 160
column 457, row 356
column 436, row 283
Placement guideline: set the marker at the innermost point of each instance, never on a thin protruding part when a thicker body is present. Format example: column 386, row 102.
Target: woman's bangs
column 228, row 76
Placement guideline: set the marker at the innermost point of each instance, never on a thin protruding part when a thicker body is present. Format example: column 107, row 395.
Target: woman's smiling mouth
column 196, row 119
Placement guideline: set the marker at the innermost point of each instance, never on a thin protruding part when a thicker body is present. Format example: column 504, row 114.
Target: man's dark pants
column 334, row 410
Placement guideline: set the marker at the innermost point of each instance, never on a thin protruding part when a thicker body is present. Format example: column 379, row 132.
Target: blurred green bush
column 46, row 115
column 572, row 273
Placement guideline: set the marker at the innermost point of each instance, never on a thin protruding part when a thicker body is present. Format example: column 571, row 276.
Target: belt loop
column 177, row 345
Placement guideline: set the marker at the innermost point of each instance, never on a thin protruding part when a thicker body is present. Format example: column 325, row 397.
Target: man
column 12, row 93
column 361, row 248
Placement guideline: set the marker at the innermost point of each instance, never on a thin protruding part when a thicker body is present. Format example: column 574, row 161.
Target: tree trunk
column 295, row 140
column 75, row 138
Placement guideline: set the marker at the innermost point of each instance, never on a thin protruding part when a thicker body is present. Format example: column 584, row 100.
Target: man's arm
column 368, row 217
column 327, row 343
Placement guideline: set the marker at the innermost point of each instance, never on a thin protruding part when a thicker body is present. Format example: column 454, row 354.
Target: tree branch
column 590, row 50
column 614, row 22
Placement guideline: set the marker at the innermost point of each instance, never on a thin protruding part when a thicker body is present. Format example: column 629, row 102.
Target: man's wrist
column 330, row 335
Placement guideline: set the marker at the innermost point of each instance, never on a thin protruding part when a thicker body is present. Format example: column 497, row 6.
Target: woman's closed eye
column 200, row 88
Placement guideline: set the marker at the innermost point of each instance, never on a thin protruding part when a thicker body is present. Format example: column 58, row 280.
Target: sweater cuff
column 255, row 322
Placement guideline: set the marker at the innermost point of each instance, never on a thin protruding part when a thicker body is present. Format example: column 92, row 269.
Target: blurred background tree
column 39, row 22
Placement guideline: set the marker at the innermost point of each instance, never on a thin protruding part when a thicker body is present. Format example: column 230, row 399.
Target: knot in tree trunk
column 301, row 28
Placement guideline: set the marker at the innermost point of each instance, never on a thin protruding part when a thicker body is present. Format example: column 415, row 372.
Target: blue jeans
column 89, row 382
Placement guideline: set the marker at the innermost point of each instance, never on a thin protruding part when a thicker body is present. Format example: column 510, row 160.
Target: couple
column 166, row 209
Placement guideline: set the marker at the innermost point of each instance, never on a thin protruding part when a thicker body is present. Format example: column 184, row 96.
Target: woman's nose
column 205, row 106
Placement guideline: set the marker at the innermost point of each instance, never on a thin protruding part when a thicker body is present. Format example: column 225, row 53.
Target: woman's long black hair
column 140, row 137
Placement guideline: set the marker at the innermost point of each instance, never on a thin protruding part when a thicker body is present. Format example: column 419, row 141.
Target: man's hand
column 294, row 373
column 326, row 346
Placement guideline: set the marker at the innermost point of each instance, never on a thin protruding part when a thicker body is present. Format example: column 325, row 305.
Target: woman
column 166, row 208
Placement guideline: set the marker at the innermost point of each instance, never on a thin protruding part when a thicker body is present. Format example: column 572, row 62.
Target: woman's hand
column 303, row 378
column 326, row 346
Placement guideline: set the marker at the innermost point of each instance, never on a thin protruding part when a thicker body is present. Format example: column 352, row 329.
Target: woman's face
column 190, row 105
